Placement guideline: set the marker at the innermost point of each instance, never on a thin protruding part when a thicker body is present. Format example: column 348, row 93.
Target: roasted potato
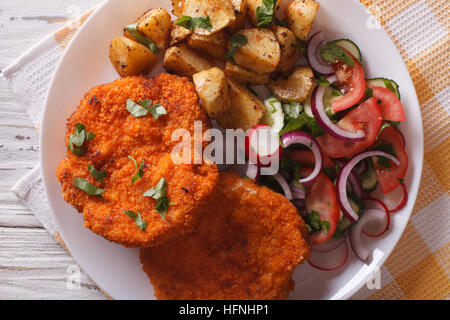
column 220, row 13
column 212, row 88
column 246, row 110
column 245, row 76
column 253, row 6
column 215, row 45
column 178, row 7
column 131, row 58
column 240, row 10
column 184, row 61
column 262, row 52
column 155, row 25
column 290, row 51
column 294, row 88
column 178, row 34
column 300, row 15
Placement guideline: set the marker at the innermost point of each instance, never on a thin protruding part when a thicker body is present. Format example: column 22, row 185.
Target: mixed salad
column 342, row 157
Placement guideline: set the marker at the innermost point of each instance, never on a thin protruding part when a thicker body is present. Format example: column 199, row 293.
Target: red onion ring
column 329, row 245
column 361, row 250
column 341, row 183
column 313, row 54
column 284, row 185
column 373, row 203
column 297, row 191
column 391, row 199
column 331, row 260
column 301, row 206
column 307, row 140
column 321, row 116
column 357, row 187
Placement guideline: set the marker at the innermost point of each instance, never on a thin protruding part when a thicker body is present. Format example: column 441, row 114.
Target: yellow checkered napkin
column 419, row 266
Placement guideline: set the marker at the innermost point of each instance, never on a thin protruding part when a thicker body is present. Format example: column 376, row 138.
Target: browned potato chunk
column 296, row 87
column 220, row 13
column 178, row 34
column 290, row 51
column 215, row 44
column 245, row 76
column 240, row 10
column 155, row 25
column 262, row 52
column 131, row 58
column 212, row 88
column 253, row 6
column 178, row 7
column 184, row 61
column 246, row 109
column 300, row 15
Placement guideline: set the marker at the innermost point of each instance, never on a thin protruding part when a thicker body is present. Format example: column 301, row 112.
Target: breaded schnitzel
column 119, row 134
column 246, row 246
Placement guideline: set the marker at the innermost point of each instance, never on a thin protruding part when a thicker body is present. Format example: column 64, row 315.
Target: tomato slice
column 352, row 80
column 390, row 178
column 366, row 117
column 391, row 107
column 321, row 197
column 307, row 158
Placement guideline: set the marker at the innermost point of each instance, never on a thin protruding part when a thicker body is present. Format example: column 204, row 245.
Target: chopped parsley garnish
column 331, row 53
column 265, row 13
column 77, row 140
column 140, row 223
column 144, row 107
column 296, row 124
column 85, row 186
column 142, row 39
column 389, row 149
column 322, row 81
column 159, row 193
column 98, row 175
column 192, row 23
column 313, row 223
column 237, row 40
column 140, row 170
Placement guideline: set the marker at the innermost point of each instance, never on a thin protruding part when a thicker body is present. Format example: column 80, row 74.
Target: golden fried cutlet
column 118, row 135
column 246, row 246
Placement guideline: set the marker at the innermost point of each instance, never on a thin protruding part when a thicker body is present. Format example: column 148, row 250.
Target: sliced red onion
column 331, row 260
column 297, row 191
column 330, row 245
column 313, row 54
column 321, row 116
column 284, row 185
column 361, row 250
column 394, row 201
column 361, row 168
column 377, row 229
column 300, row 137
column 300, row 204
column 341, row 184
column 357, row 187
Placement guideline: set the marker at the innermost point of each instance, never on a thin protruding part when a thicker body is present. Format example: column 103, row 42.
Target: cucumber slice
column 351, row 47
column 307, row 105
column 329, row 94
column 369, row 179
column 385, row 83
column 357, row 205
column 274, row 114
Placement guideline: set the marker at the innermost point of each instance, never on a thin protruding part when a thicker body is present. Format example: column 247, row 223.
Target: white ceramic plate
column 85, row 64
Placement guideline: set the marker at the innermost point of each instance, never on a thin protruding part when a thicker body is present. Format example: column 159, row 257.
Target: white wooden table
column 32, row 264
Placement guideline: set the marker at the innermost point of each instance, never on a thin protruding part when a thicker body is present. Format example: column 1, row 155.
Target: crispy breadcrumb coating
column 246, row 246
column 118, row 135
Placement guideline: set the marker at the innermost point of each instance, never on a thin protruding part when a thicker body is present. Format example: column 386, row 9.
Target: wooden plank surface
column 32, row 264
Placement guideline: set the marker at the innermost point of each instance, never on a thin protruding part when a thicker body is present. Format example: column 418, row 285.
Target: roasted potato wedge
column 178, row 7
column 184, row 61
column 290, row 51
column 296, row 87
column 240, row 10
column 245, row 76
column 215, row 45
column 131, row 58
column 155, row 25
column 220, row 13
column 300, row 15
column 246, row 110
column 253, row 6
column 212, row 88
column 178, row 34
column 262, row 52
